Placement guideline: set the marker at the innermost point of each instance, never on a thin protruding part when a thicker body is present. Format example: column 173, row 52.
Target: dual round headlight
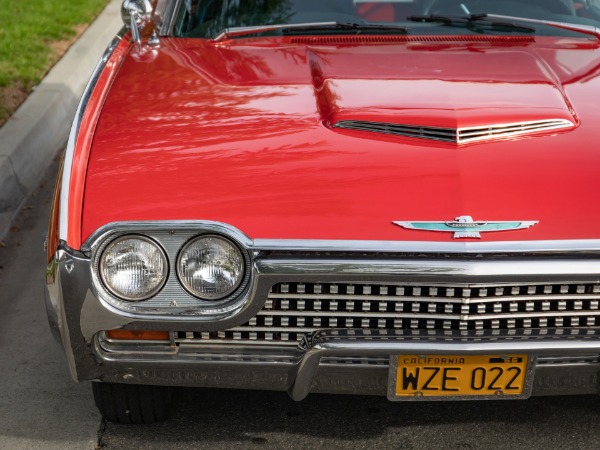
column 135, row 268
column 210, row 267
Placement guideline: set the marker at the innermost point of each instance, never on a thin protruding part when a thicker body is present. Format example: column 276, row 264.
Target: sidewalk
column 39, row 129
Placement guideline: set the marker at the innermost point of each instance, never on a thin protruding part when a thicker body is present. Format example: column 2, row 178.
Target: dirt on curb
column 11, row 98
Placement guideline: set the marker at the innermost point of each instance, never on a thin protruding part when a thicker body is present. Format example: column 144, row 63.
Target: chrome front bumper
column 326, row 361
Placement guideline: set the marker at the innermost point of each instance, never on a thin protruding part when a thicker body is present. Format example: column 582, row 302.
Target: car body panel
column 239, row 133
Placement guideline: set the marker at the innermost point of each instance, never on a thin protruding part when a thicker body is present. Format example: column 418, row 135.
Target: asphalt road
column 41, row 408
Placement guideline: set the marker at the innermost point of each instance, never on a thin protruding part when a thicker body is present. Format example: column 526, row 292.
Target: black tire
column 132, row 403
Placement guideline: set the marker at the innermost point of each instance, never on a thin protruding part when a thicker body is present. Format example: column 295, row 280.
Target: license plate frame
column 496, row 395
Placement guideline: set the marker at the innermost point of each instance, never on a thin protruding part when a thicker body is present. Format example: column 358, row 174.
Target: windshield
column 209, row 18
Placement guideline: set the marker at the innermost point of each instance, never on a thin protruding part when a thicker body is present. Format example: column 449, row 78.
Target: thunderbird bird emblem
column 466, row 227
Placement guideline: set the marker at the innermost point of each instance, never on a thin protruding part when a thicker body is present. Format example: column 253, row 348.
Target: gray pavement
column 39, row 129
column 40, row 406
column 218, row 419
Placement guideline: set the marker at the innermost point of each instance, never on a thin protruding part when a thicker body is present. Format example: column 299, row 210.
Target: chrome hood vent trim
column 458, row 135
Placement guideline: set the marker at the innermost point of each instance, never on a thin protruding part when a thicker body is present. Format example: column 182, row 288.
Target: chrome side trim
column 70, row 150
column 573, row 246
column 329, row 343
column 300, row 245
column 419, row 269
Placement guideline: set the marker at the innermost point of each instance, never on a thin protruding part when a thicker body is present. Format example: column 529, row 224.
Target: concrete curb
column 39, row 129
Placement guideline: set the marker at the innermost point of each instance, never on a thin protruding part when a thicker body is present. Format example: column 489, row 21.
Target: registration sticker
column 456, row 377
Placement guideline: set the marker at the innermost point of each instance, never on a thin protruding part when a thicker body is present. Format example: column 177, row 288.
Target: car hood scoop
column 430, row 95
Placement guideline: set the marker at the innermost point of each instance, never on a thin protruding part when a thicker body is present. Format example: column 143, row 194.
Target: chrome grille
column 457, row 135
column 568, row 360
column 294, row 309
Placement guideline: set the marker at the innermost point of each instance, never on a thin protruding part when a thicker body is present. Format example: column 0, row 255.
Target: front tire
column 132, row 403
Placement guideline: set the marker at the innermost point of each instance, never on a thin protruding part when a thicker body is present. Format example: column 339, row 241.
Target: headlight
column 210, row 267
column 133, row 268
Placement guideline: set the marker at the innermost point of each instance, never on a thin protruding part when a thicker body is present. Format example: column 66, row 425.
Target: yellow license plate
column 444, row 376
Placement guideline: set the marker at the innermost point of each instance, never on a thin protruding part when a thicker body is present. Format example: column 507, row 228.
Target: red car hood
column 244, row 133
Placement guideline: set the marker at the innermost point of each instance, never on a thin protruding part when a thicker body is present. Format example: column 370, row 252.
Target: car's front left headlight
column 210, row 267
column 133, row 267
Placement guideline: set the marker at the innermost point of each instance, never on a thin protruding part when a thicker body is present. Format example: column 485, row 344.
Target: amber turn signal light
column 137, row 335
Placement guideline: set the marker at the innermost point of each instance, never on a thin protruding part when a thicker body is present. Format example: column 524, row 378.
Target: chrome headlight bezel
column 173, row 301
column 207, row 296
column 151, row 293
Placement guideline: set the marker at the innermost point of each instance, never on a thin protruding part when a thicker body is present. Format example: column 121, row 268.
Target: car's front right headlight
column 133, row 267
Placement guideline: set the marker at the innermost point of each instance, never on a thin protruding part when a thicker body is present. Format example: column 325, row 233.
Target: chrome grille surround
column 458, row 135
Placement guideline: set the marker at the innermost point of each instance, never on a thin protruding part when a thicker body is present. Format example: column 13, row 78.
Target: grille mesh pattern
column 294, row 309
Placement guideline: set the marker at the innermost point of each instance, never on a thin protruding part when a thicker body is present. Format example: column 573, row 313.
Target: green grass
column 26, row 29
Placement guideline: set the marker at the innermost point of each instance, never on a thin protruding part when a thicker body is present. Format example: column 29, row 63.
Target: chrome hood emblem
column 466, row 227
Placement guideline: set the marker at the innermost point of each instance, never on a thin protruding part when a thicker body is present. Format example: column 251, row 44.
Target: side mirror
column 136, row 14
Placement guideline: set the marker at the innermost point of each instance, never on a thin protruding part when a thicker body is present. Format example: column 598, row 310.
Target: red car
column 388, row 197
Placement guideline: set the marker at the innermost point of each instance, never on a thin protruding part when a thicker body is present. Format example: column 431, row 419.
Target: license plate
column 456, row 377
